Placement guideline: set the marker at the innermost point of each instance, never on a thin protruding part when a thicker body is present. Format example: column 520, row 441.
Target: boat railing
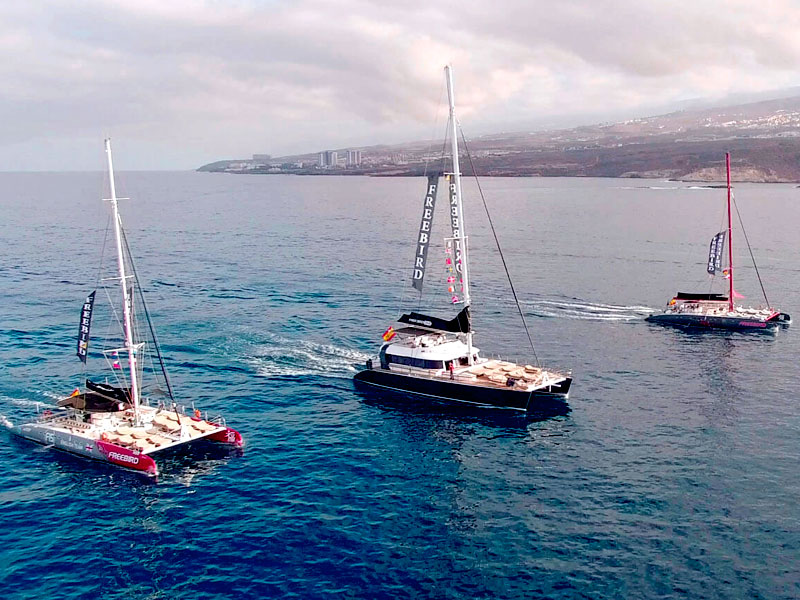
column 528, row 361
column 217, row 420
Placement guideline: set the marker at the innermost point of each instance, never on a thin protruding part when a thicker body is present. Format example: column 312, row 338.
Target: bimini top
column 459, row 324
column 704, row 297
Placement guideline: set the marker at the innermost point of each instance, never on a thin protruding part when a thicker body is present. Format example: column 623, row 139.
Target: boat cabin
column 421, row 349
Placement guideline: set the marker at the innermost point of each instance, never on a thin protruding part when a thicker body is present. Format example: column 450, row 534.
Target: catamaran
column 434, row 357
column 717, row 310
column 117, row 423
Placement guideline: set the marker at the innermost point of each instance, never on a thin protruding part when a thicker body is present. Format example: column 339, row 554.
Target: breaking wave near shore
column 588, row 311
column 280, row 356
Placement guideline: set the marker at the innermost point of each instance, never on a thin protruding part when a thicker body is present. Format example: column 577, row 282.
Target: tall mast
column 459, row 205
column 123, row 278
column 730, row 234
column 457, row 178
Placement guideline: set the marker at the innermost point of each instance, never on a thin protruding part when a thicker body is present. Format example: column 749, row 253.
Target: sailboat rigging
column 435, row 357
column 716, row 310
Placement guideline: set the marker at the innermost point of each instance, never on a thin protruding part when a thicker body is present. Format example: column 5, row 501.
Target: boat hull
column 444, row 390
column 94, row 449
column 106, row 451
column 714, row 322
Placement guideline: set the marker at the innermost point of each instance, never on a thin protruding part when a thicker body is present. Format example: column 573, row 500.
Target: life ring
column 104, row 436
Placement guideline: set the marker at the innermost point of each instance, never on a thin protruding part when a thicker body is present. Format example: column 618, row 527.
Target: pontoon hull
column 109, row 452
column 445, row 390
column 82, row 446
column 715, row 322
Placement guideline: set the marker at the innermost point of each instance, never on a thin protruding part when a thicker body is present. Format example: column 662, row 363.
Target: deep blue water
column 673, row 473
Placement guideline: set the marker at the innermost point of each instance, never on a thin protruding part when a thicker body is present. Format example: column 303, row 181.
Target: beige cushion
column 157, row 440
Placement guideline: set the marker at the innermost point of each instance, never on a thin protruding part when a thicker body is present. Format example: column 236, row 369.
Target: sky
column 179, row 83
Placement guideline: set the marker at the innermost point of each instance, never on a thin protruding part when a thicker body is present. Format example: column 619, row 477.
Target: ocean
column 671, row 472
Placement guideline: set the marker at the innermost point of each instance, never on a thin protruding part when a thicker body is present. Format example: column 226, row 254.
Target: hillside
column 763, row 137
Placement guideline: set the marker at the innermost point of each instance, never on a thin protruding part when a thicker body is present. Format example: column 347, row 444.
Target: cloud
column 212, row 79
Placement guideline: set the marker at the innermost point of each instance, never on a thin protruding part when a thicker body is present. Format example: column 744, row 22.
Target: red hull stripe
column 124, row 457
column 229, row 436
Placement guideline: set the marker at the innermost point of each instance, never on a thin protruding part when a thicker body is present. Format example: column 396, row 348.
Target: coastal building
column 353, row 158
column 328, row 158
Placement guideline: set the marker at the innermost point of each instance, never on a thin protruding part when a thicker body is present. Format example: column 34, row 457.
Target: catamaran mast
column 730, row 234
column 459, row 207
column 123, row 278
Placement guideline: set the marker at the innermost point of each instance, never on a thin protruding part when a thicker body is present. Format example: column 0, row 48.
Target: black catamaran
column 434, row 357
column 717, row 310
column 117, row 423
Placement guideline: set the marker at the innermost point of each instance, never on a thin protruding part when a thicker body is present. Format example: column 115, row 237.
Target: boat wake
column 27, row 402
column 280, row 356
column 588, row 311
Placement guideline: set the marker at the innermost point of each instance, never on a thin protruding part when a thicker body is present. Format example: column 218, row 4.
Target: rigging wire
column 441, row 167
column 749, row 249
column 440, row 160
column 156, row 345
column 499, row 249
column 97, row 282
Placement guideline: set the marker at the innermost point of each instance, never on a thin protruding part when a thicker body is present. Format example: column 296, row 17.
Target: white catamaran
column 435, row 358
column 117, row 424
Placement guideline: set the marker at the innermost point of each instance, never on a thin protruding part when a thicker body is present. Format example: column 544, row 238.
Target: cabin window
column 409, row 361
column 463, row 361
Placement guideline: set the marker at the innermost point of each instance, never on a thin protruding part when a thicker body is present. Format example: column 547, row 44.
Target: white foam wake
column 591, row 311
column 26, row 402
column 282, row 356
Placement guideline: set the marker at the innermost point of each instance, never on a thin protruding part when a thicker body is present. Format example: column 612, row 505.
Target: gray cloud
column 197, row 80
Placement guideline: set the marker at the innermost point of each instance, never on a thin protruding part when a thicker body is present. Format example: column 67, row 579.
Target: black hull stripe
column 463, row 393
column 442, row 398
column 729, row 323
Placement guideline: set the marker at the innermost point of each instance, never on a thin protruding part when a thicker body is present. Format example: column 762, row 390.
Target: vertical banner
column 421, row 255
column 85, row 324
column 454, row 280
column 715, row 252
column 455, row 226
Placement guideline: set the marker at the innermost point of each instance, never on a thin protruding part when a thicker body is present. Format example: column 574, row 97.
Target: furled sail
column 423, row 241
column 453, row 247
column 84, row 326
column 715, row 252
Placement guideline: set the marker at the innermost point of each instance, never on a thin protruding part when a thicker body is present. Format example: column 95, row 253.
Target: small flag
column 389, row 334
column 726, row 274
column 451, row 279
column 737, row 294
column 77, row 392
column 115, row 364
column 455, row 299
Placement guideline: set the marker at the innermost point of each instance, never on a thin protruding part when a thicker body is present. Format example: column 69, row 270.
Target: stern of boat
column 227, row 436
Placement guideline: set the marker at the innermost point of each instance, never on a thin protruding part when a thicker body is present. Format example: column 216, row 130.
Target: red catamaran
column 716, row 310
column 116, row 423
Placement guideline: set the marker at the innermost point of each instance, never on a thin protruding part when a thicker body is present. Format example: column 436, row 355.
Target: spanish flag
column 77, row 392
column 389, row 334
